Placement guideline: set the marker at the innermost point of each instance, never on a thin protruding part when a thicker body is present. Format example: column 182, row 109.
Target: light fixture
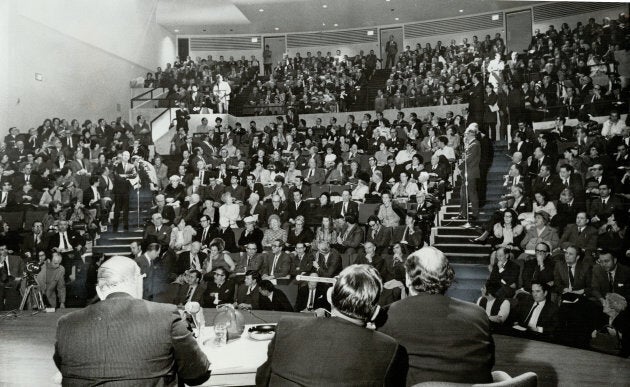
column 388, row 0
column 325, row 6
column 261, row 10
column 370, row 32
column 254, row 40
column 495, row 16
column 461, row 10
column 396, row 18
column 176, row 30
column 323, row 24
column 277, row 28
column 336, row 25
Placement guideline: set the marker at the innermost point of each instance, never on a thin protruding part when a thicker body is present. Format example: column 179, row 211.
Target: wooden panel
column 225, row 43
column 334, row 38
column 562, row 9
column 453, row 26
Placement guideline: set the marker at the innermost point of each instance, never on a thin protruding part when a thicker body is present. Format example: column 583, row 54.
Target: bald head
column 119, row 274
column 428, row 271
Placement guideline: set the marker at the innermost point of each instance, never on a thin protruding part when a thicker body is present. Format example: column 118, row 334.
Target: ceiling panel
column 192, row 17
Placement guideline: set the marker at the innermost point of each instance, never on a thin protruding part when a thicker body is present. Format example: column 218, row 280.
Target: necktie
column 62, row 242
column 26, row 178
column 97, row 196
column 189, row 293
column 611, row 282
column 566, row 182
column 311, row 299
column 273, row 267
column 205, row 234
column 580, row 231
column 571, row 278
column 531, row 312
column 604, row 201
column 109, row 184
column 4, row 271
column 345, row 209
column 4, row 197
column 311, row 172
column 195, row 262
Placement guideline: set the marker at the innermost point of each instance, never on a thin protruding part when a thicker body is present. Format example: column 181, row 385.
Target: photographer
column 51, row 281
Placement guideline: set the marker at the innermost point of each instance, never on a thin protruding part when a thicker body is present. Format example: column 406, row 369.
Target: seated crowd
column 561, row 235
column 443, row 75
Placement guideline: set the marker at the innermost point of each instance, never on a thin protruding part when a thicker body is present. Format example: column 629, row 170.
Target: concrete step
column 466, row 294
column 470, row 271
column 454, row 239
column 478, row 259
column 449, row 230
column 467, row 248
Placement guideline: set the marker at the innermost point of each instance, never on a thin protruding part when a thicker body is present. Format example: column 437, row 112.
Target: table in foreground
column 27, row 346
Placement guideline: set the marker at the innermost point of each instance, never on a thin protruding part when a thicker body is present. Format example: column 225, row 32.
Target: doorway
column 183, row 49
column 278, row 46
column 385, row 35
column 518, row 27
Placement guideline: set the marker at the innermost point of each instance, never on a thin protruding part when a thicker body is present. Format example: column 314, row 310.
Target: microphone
column 308, row 278
column 194, row 315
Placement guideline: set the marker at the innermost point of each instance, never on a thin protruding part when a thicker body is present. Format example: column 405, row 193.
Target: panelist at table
column 343, row 351
column 127, row 341
column 447, row 340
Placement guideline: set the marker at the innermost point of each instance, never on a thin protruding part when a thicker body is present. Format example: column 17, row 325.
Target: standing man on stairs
column 122, row 171
column 469, row 172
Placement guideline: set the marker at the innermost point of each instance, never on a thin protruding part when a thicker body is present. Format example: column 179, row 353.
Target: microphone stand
column 467, row 224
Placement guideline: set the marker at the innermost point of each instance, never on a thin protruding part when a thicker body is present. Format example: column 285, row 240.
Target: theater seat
column 501, row 379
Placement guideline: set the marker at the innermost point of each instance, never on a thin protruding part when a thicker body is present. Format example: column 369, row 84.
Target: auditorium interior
column 228, row 146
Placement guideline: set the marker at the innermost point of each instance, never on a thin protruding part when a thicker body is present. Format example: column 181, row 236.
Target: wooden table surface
column 27, row 346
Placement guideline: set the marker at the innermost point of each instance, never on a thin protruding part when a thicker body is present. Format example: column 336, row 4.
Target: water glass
column 220, row 333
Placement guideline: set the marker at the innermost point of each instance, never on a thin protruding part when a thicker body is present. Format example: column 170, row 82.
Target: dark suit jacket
column 252, row 298
column 331, row 267
column 621, row 282
column 582, row 276
column 473, row 158
column 596, row 207
column 505, row 279
column 548, row 319
column 151, row 235
column 320, row 300
column 150, row 342
column 382, row 239
column 279, row 302
column 552, row 187
column 317, row 178
column 225, row 291
column 177, row 293
column 460, row 347
column 293, row 212
column 283, row 266
column 587, row 240
column 373, row 359
column 353, row 209
column 74, row 239
column 183, row 261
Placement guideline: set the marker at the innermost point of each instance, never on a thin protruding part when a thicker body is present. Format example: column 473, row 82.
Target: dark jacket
column 460, row 347
column 150, row 342
column 373, row 359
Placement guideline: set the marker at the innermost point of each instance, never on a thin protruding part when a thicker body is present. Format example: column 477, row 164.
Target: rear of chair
column 500, row 379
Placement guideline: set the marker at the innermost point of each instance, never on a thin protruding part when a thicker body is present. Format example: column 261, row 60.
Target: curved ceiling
column 190, row 17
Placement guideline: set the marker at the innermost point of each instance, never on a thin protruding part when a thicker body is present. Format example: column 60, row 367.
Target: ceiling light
column 370, row 33
column 323, row 24
column 388, row 0
column 254, row 40
column 495, row 17
column 461, row 10
column 396, row 18
column 261, row 10
column 277, row 28
column 325, row 6
column 336, row 25
column 176, row 30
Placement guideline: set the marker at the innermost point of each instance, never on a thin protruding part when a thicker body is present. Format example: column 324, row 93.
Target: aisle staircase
column 376, row 82
column 469, row 260
column 117, row 243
